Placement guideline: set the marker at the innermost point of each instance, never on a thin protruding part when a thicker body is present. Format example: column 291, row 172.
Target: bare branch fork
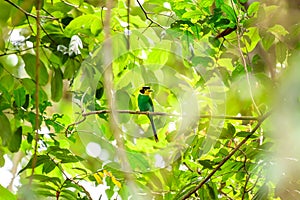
column 147, row 17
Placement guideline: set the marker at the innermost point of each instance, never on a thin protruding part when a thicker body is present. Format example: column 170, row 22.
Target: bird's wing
column 151, row 104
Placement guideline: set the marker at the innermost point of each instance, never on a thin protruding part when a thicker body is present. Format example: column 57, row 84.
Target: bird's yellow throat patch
column 148, row 92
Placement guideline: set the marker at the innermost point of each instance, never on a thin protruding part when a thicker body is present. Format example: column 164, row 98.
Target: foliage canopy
column 70, row 72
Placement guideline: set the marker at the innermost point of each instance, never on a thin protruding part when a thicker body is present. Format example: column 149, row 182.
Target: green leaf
column 253, row 8
column 48, row 166
column 215, row 42
column 157, row 58
column 206, row 164
column 70, row 184
column 203, row 193
column 7, row 81
column 262, row 193
column 206, row 3
column 223, row 152
column 239, row 176
column 100, row 90
column 223, row 73
column 57, row 85
column 281, row 52
column 212, row 189
column 4, row 16
column 229, row 12
column 41, row 159
column 7, row 194
column 2, row 160
column 223, row 23
column 45, row 193
column 42, row 186
column 18, row 15
column 5, row 128
column 204, row 61
column 5, row 98
column 267, row 40
column 16, row 139
column 230, row 128
column 195, row 14
column 83, row 24
column 71, row 68
column 43, row 178
column 238, row 71
column 30, row 116
column 20, row 96
column 219, row 3
column 245, row 134
column 30, row 67
column 68, row 194
column 278, row 30
column 28, row 84
column 137, row 161
column 252, row 33
column 63, row 154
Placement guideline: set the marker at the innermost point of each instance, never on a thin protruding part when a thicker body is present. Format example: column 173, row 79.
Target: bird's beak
column 150, row 90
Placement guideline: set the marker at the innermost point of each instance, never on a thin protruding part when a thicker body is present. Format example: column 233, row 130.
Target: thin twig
column 239, row 34
column 260, row 121
column 168, row 114
column 97, row 112
column 16, row 51
column 27, row 13
column 147, row 17
column 245, row 186
column 256, row 181
column 128, row 112
column 69, row 4
column 73, row 124
column 60, row 167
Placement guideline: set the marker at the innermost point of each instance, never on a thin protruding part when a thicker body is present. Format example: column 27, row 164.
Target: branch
column 60, row 167
column 16, row 161
column 16, row 51
column 128, row 112
column 168, row 114
column 27, row 13
column 97, row 112
column 147, row 17
column 260, row 121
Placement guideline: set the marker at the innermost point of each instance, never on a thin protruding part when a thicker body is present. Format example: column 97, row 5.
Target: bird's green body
column 145, row 104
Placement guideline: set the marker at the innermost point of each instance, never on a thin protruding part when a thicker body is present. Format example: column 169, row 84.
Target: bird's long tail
column 153, row 128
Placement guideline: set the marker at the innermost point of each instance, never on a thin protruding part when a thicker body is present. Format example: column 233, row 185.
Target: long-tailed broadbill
column 145, row 104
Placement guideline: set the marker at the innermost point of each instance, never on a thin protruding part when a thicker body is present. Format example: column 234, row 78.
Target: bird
column 145, row 104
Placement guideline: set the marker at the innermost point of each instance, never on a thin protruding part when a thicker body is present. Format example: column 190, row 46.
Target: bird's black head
column 145, row 89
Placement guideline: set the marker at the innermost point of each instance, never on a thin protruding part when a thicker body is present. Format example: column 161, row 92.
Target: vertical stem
column 108, row 78
column 239, row 35
column 37, row 75
column 128, row 23
column 109, row 88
